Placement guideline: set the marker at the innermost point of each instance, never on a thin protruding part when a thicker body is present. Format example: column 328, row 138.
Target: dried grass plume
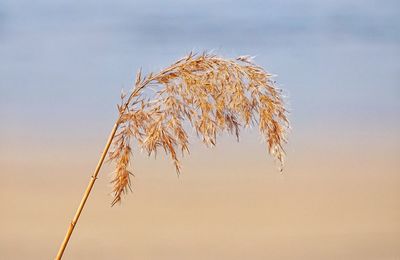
column 206, row 92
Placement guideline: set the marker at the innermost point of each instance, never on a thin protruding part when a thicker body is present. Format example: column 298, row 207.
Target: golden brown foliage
column 212, row 94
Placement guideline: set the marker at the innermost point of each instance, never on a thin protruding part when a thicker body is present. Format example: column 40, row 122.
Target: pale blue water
column 337, row 60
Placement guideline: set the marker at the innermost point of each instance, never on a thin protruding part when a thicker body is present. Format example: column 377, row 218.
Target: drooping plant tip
column 212, row 94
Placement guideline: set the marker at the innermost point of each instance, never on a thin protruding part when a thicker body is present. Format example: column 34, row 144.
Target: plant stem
column 97, row 170
column 87, row 192
column 125, row 107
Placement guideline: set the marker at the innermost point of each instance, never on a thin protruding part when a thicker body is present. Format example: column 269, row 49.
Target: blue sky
column 336, row 60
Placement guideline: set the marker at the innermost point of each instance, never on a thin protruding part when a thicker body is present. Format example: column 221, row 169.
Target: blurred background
column 64, row 63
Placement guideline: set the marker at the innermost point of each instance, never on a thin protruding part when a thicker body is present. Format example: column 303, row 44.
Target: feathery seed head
column 212, row 94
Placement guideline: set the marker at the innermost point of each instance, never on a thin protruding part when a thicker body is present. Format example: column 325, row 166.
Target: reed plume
column 212, row 95
column 205, row 92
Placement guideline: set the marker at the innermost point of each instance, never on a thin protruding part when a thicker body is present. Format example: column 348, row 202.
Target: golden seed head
column 212, row 94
